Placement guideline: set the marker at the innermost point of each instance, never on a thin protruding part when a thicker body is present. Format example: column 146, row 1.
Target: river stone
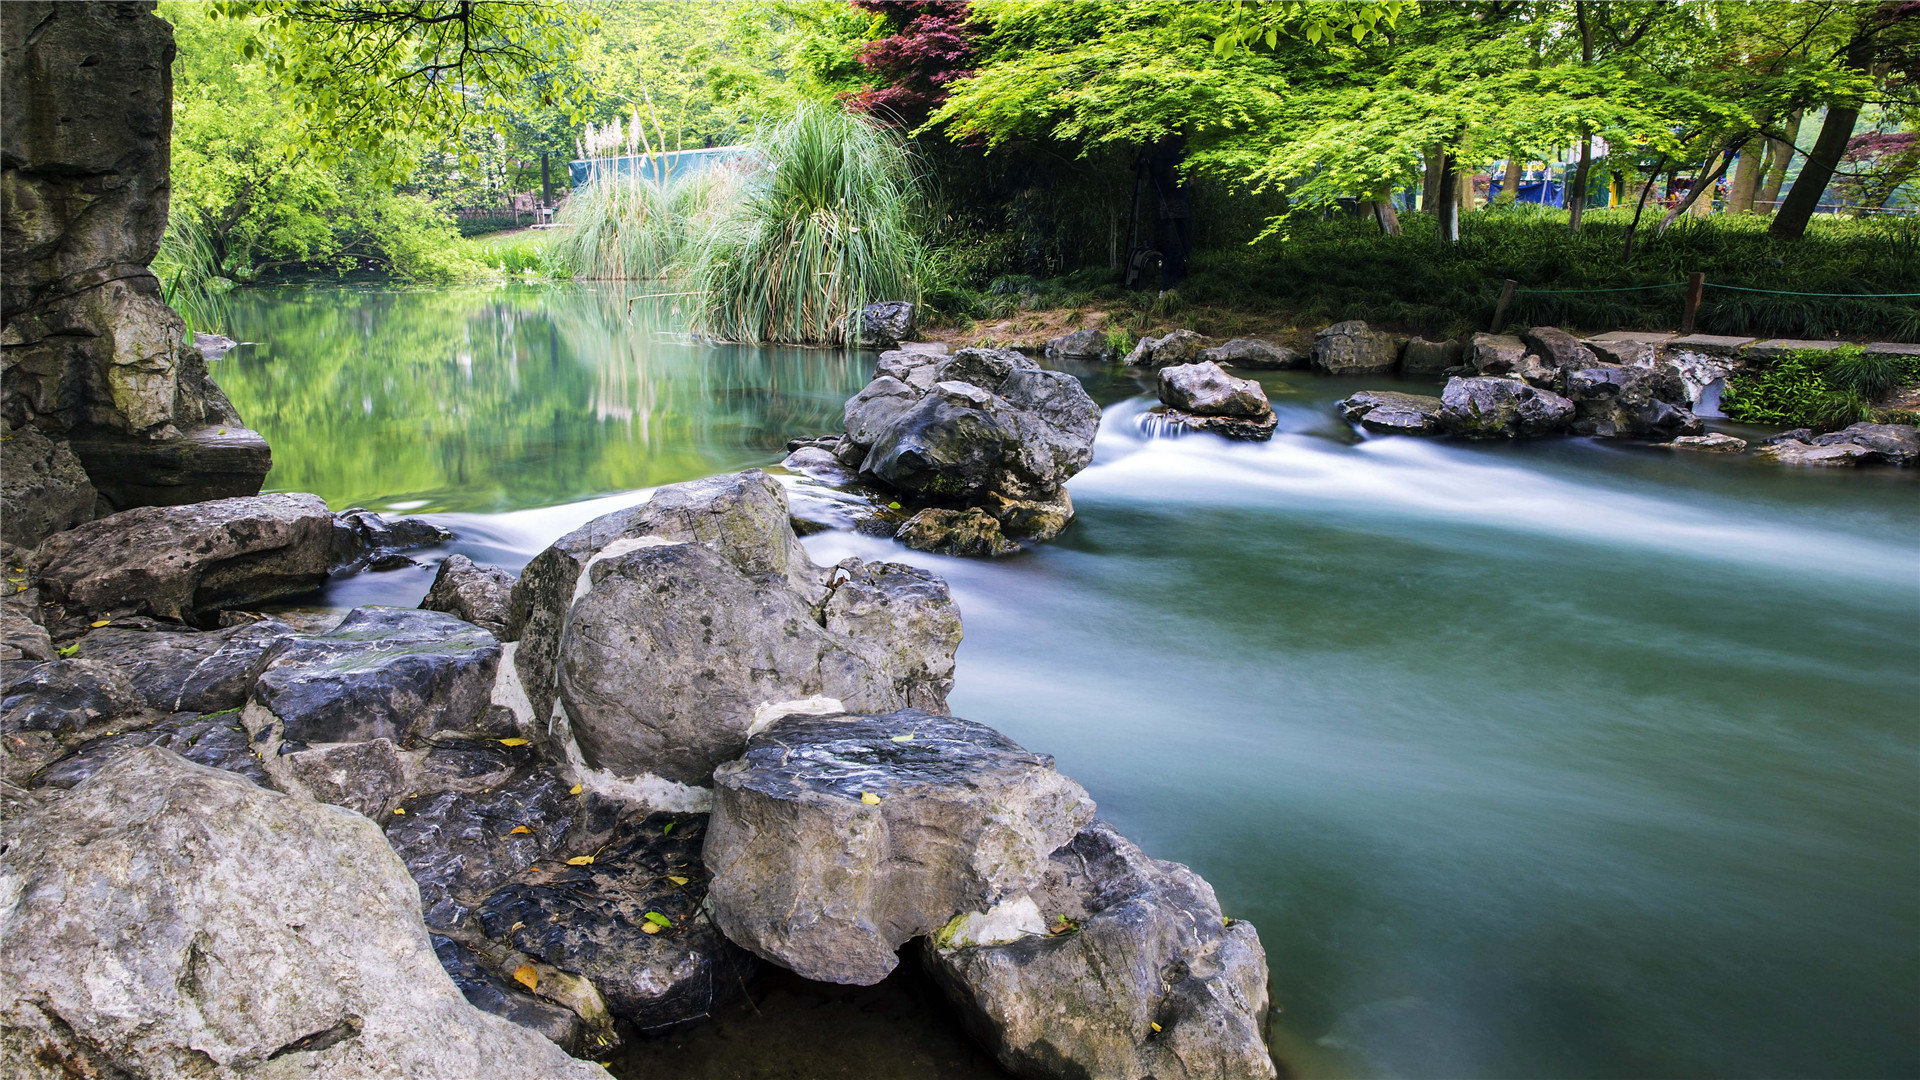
column 1630, row 403
column 1830, row 454
column 1204, row 389
column 588, row 920
column 65, row 696
column 1178, row 347
column 837, row 839
column 484, row 988
column 43, row 489
column 21, row 638
column 993, row 421
column 188, row 670
column 1712, row 442
column 1090, row 343
column 1496, row 354
column 886, row 324
column 182, row 562
column 1494, row 408
column 1392, row 413
column 1031, row 519
column 399, row 674
column 1350, row 348
column 1426, row 359
column 218, row 741
column 461, row 845
column 1895, row 444
column 1624, row 353
column 1230, row 427
column 481, row 595
column 667, row 658
column 1253, row 353
column 1558, row 349
column 166, row 919
column 1143, row 976
column 956, row 532
column 194, row 463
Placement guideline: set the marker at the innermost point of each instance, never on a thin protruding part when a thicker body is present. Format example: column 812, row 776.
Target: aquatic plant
column 826, row 221
column 189, row 273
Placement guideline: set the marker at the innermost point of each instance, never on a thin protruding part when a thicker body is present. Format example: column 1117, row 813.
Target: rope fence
column 1696, row 285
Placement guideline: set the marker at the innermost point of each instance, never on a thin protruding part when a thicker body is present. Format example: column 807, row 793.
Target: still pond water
column 1557, row 759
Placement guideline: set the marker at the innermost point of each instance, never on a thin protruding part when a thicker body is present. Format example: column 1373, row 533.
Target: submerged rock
column 837, row 839
column 1351, row 348
column 246, row 929
column 1392, row 413
column 1630, row 403
column 481, row 595
column 1120, row 966
column 1495, row 408
column 1178, row 347
column 1253, row 354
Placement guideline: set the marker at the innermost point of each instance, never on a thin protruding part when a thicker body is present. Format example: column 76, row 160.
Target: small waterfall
column 1709, row 400
column 1155, row 425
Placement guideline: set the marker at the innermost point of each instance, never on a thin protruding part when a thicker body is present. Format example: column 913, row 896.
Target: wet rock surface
column 52, row 706
column 481, row 595
column 1712, row 442
column 213, row 961
column 835, row 840
column 1858, row 444
column 218, row 741
column 956, row 532
column 1630, row 403
column 1352, row 348
column 1253, row 354
column 485, row 989
column 1120, row 966
column 1392, row 413
column 1496, row 408
column 460, row 845
column 1205, row 398
column 180, row 670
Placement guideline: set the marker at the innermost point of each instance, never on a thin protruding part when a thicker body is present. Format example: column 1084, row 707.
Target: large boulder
column 482, row 595
column 1558, row 349
column 1427, row 359
column 183, row 562
column 43, row 488
column 658, row 634
column 1496, row 354
column 166, row 919
column 1392, row 413
column 1860, row 444
column 1121, row 966
column 1178, row 347
column 1351, row 348
column 1495, row 408
column 1630, row 403
column 1253, row 354
column 1089, row 343
column 886, row 324
column 1204, row 397
column 837, row 839
column 180, row 670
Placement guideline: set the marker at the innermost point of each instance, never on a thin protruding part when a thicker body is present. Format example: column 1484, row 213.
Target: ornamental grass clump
column 632, row 226
column 189, row 272
column 825, row 222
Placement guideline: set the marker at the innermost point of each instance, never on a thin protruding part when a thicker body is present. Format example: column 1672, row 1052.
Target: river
column 1562, row 758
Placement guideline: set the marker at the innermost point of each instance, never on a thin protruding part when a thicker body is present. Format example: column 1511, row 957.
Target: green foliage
column 632, row 227
column 189, row 273
column 829, row 221
column 525, row 253
column 1818, row 388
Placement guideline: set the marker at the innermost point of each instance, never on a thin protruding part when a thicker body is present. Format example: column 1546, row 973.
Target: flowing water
column 1563, row 758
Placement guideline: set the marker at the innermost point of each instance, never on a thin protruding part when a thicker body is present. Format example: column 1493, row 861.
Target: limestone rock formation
column 1711, row 442
column 165, row 919
column 1089, row 343
column 1558, row 349
column 1630, row 403
column 1204, row 397
column 956, row 532
column 1426, row 359
column 1496, row 408
column 1120, row 966
column 837, row 839
column 886, row 324
column 1351, row 348
column 1178, row 347
column 43, row 488
column 482, row 595
column 1392, row 413
column 1250, row 354
column 1859, row 444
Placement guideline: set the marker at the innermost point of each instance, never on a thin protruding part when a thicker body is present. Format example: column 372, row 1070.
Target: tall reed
column 633, row 226
column 826, row 221
column 189, row 273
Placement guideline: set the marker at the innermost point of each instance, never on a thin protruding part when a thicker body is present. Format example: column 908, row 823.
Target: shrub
column 1816, row 388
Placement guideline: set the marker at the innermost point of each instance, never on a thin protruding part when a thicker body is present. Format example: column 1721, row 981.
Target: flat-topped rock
column 1390, row 412
column 1710, row 344
column 1778, row 348
column 481, row 595
column 1119, row 966
column 1204, row 397
column 837, row 839
column 1714, row 442
column 1643, row 337
column 199, row 671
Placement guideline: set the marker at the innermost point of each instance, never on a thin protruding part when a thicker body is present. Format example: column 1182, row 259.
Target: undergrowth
column 1822, row 389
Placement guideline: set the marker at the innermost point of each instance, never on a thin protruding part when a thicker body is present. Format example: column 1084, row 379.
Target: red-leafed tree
column 1877, row 164
column 929, row 47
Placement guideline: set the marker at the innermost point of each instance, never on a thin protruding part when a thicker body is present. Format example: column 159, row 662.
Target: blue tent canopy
column 660, row 167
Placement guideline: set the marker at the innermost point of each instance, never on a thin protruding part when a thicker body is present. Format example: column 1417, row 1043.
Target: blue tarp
column 657, row 166
column 1530, row 192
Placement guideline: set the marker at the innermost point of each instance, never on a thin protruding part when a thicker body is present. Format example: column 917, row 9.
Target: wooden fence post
column 1500, row 309
column 1696, row 284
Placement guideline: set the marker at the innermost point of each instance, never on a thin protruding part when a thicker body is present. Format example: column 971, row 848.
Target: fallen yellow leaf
column 515, row 926
column 513, row 742
column 575, row 790
column 102, row 622
column 518, row 829
column 677, row 880
column 527, row 977
column 399, row 809
column 870, row 798
column 649, row 928
column 1155, row 1027
column 580, row 860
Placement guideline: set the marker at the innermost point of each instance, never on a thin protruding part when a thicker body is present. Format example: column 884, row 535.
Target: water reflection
column 490, row 400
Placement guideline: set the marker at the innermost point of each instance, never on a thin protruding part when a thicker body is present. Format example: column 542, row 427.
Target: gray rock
column 956, row 532
column 819, row 464
column 1120, row 966
column 1496, row 354
column 21, row 638
column 1203, row 389
column 250, row 933
column 460, row 845
column 993, row 421
column 1624, row 353
column 1832, row 455
column 880, row 404
column 483, row 987
column 1630, row 403
column 183, row 562
column 1350, row 348
column 915, row 367
column 1250, row 354
column 886, row 324
column 1230, row 427
column 836, row 839
column 188, row 670
column 366, row 777
column 213, row 347
column 481, row 595
column 1178, row 347
column 1089, row 343
column 1798, row 434
column 1711, row 442
column 1031, row 519
column 1424, row 359
column 197, row 463
column 1493, row 408
column 368, row 533
column 218, row 741
column 1560, row 350
column 1895, row 444
column 66, row 696
column 401, row 674
column 43, row 489
column 1392, row 413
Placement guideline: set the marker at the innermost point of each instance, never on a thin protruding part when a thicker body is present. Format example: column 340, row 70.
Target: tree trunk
column 1430, row 181
column 1701, row 185
column 1804, row 197
column 1510, row 183
column 1626, row 255
column 1446, row 201
column 1381, row 207
column 546, row 181
column 1463, row 184
column 1746, row 177
column 1783, row 151
column 1577, row 198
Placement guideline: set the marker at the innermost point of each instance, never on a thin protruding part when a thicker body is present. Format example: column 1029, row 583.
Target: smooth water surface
column 1555, row 759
